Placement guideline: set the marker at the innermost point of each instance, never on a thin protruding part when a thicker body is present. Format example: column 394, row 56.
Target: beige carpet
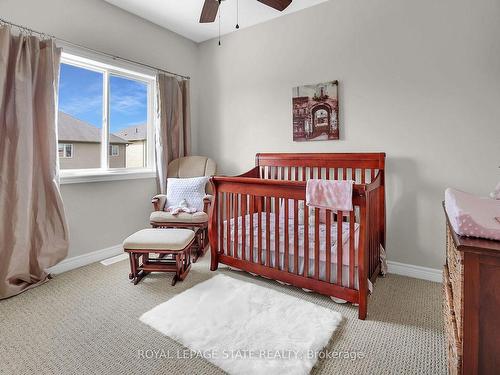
column 86, row 322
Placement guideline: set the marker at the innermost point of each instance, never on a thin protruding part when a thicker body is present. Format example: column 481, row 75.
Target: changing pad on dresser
column 473, row 216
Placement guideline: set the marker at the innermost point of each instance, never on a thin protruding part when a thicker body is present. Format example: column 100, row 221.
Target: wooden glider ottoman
column 173, row 249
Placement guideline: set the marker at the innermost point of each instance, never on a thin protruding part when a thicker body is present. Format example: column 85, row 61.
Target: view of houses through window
column 128, row 116
column 65, row 150
column 86, row 93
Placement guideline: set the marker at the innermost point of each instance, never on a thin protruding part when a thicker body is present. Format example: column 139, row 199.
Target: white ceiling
column 182, row 16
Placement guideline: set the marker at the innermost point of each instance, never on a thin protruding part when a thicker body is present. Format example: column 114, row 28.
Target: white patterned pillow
column 190, row 189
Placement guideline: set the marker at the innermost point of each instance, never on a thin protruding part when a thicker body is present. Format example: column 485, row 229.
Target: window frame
column 108, row 66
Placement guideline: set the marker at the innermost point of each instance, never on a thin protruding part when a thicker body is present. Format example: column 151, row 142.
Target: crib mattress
column 291, row 246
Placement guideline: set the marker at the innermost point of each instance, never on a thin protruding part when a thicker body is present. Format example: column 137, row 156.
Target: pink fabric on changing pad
column 472, row 216
column 329, row 194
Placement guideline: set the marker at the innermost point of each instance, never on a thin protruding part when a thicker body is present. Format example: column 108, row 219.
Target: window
column 128, row 119
column 106, row 116
column 114, row 150
column 65, row 150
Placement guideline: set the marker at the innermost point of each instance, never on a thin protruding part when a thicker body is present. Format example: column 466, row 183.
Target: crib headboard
column 360, row 167
column 363, row 168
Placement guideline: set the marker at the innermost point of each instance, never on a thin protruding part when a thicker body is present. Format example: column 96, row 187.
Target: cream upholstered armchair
column 189, row 166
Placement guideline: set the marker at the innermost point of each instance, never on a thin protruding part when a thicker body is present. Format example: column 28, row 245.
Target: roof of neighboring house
column 72, row 129
column 133, row 133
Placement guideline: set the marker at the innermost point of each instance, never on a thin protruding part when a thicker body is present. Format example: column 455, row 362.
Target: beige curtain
column 173, row 134
column 33, row 229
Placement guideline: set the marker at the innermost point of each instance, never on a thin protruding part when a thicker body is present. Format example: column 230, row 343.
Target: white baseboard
column 417, row 272
column 86, row 259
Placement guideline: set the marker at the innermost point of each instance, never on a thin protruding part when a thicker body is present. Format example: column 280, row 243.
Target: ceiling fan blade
column 209, row 11
column 280, row 5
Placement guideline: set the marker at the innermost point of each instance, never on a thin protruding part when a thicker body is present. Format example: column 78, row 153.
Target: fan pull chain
column 220, row 11
column 237, row 14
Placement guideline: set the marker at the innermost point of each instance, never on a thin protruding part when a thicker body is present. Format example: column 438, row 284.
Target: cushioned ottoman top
column 159, row 239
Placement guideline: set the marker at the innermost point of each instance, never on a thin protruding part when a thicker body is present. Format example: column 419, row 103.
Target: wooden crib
column 259, row 223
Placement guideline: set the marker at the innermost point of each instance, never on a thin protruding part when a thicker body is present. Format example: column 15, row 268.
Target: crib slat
column 296, row 170
column 228, row 223
column 339, row 247
column 374, row 231
column 296, row 236
column 251, row 234
column 372, row 235
column 306, row 241
column 236, row 225
column 287, row 237
column 328, row 247
column 336, row 174
column 268, row 231
column 363, row 175
column 327, row 173
column 372, row 174
column 352, row 256
column 243, row 225
column 303, row 173
column 259, row 231
column 289, row 176
column 316, row 243
column 311, row 172
column 374, row 225
column 221, row 222
column 276, row 233
column 377, row 215
column 369, row 231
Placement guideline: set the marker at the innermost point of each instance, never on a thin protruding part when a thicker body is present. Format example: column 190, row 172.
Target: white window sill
column 84, row 176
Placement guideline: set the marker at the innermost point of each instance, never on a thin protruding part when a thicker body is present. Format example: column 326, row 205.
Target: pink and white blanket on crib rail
column 333, row 195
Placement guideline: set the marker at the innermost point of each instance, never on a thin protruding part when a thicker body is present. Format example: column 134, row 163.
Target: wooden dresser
column 471, row 283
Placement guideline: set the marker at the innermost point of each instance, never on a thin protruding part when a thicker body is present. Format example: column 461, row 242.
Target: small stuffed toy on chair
column 183, row 206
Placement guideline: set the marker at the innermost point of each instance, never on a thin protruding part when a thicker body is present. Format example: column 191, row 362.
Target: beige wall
column 136, row 154
column 101, row 214
column 419, row 80
column 88, row 155
column 119, row 160
column 85, row 155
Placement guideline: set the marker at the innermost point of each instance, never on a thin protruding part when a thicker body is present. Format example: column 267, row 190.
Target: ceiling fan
column 210, row 8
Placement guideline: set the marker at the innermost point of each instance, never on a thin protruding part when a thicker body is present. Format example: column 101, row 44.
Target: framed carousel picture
column 316, row 112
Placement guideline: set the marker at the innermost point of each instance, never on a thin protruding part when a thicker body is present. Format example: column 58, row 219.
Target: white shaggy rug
column 244, row 328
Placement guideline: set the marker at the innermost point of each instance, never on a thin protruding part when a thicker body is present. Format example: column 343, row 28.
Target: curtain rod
column 45, row 35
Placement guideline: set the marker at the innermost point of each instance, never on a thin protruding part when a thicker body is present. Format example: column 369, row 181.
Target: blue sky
column 80, row 95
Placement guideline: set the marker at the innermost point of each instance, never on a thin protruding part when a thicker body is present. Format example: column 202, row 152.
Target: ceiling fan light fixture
column 211, row 7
